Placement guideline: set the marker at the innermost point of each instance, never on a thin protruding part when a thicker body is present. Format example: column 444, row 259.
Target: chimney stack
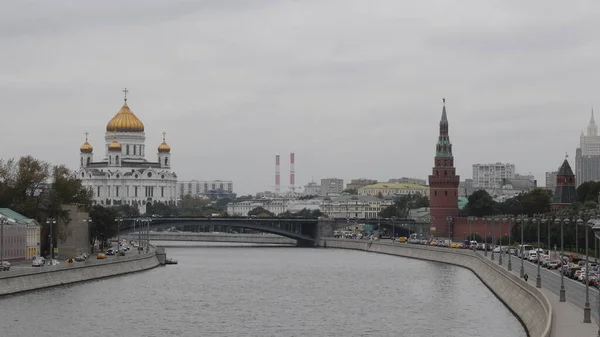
column 277, row 182
column 292, row 173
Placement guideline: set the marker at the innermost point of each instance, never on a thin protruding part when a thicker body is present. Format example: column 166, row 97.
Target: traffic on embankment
column 529, row 304
column 19, row 280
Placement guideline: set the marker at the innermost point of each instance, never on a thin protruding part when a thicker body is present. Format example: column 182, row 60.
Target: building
column 564, row 193
column 275, row 206
column 551, row 180
column 389, row 190
column 413, row 181
column 331, row 186
column 443, row 183
column 354, row 206
column 33, row 236
column 355, row 184
column 76, row 233
column 465, row 188
column 13, row 240
column 312, row 188
column 492, row 175
column 205, row 188
column 587, row 155
column 124, row 176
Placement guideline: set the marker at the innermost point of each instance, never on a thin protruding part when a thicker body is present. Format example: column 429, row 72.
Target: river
column 268, row 291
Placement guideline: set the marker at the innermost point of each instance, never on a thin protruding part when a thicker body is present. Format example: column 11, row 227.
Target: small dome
column 125, row 121
column 164, row 147
column 86, row 147
column 114, row 146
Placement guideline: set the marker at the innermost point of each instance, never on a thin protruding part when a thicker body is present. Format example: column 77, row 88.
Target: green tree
column 588, row 191
column 536, row 201
column 480, row 204
column 103, row 224
column 403, row 204
column 260, row 212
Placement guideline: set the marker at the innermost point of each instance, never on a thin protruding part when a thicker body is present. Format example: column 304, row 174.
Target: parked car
column 553, row 264
column 110, row 252
column 38, row 261
column 5, row 266
column 100, row 256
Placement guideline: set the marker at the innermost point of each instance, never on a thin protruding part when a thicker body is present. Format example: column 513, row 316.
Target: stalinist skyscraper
column 587, row 155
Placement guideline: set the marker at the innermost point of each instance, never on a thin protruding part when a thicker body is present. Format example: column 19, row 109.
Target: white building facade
column 203, row 187
column 123, row 176
column 492, row 175
column 389, row 189
column 354, row 206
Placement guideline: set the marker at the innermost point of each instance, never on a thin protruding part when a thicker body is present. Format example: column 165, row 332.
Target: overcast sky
column 353, row 87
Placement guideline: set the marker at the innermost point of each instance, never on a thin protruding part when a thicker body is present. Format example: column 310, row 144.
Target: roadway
column 575, row 291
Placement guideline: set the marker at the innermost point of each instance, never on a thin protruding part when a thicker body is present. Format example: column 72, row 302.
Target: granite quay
column 27, row 279
column 528, row 303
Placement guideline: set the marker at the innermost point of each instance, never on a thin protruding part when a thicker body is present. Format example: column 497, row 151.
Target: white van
column 526, row 249
column 533, row 256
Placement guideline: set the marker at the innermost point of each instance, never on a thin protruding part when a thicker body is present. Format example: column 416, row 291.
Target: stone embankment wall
column 16, row 281
column 527, row 302
column 219, row 237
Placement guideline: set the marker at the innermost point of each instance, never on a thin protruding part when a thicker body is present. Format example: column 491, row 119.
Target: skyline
column 353, row 90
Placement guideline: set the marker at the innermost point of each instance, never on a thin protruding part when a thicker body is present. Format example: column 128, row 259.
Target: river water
column 268, row 291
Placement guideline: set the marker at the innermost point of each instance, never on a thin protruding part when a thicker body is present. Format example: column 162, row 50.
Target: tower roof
column 125, row 120
column 86, row 147
column 164, row 147
column 565, row 169
column 444, row 116
column 444, row 147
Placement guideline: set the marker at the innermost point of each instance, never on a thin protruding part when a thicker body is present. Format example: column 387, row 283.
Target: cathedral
column 124, row 176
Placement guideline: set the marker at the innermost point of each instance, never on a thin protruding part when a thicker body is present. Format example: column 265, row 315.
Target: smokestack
column 292, row 173
column 277, row 182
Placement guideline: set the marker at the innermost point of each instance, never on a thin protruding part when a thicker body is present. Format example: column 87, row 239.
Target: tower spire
column 444, row 147
column 125, row 91
column 86, row 136
column 444, row 116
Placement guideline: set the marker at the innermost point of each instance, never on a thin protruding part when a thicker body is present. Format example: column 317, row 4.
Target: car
column 552, row 264
column 121, row 252
column 110, row 252
column 101, row 256
column 5, row 266
column 38, row 261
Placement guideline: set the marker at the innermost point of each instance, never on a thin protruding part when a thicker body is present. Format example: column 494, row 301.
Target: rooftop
column 9, row 213
column 399, row 186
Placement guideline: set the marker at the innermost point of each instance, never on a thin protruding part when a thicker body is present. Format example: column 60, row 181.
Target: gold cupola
column 125, row 120
column 164, row 147
column 114, row 146
column 86, row 147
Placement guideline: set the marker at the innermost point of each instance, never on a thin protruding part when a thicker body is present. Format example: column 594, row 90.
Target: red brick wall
column 462, row 228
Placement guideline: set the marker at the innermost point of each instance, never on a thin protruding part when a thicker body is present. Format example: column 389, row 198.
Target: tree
column 260, row 212
column 103, row 224
column 127, row 211
column 29, row 185
column 588, row 191
column 536, row 201
column 351, row 191
column 480, row 204
column 403, row 204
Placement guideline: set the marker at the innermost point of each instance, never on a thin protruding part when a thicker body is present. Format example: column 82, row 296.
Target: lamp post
column 139, row 221
column 522, row 221
column 562, row 297
column 449, row 221
column 119, row 220
column 89, row 221
column 538, row 278
column 587, row 310
column 148, row 234
column 2, row 222
column 485, row 246
column 471, row 219
column 509, row 221
column 492, row 220
column 51, row 222
column 499, row 220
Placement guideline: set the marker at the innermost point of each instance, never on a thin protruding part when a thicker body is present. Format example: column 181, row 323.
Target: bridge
column 306, row 232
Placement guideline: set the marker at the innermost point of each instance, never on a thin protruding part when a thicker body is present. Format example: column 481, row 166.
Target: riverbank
column 19, row 281
column 530, row 305
column 216, row 237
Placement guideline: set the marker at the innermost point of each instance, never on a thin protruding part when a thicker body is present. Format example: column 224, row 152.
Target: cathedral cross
column 125, row 91
column 164, row 135
column 86, row 136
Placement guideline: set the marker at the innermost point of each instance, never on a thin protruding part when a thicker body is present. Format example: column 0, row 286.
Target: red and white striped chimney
column 292, row 173
column 277, row 181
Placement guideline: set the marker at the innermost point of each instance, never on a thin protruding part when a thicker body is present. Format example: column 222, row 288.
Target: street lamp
column 564, row 220
column 449, row 221
column 538, row 278
column 499, row 220
column 2, row 223
column 586, row 309
column 119, row 221
column 51, row 222
column 522, row 221
column 89, row 221
column 485, row 246
column 509, row 221
column 148, row 234
column 492, row 221
column 139, row 221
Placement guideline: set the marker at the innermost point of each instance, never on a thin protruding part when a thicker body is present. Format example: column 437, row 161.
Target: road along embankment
column 18, row 281
column 528, row 303
column 217, row 237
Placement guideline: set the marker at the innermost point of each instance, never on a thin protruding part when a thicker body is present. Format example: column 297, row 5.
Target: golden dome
column 114, row 146
column 125, row 121
column 164, row 147
column 86, row 148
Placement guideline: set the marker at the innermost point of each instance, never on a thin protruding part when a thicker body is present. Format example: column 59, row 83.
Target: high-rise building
column 587, row 155
column 492, row 175
column 332, row 186
column 312, row 188
column 551, row 180
column 443, row 184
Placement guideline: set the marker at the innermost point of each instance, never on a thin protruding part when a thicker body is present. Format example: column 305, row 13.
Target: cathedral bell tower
column 86, row 156
column 443, row 184
column 164, row 153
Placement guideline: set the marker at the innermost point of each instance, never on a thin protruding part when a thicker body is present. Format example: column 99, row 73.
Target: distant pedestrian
column 525, row 277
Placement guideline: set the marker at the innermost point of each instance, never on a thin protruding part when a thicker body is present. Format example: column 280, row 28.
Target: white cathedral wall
column 137, row 139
